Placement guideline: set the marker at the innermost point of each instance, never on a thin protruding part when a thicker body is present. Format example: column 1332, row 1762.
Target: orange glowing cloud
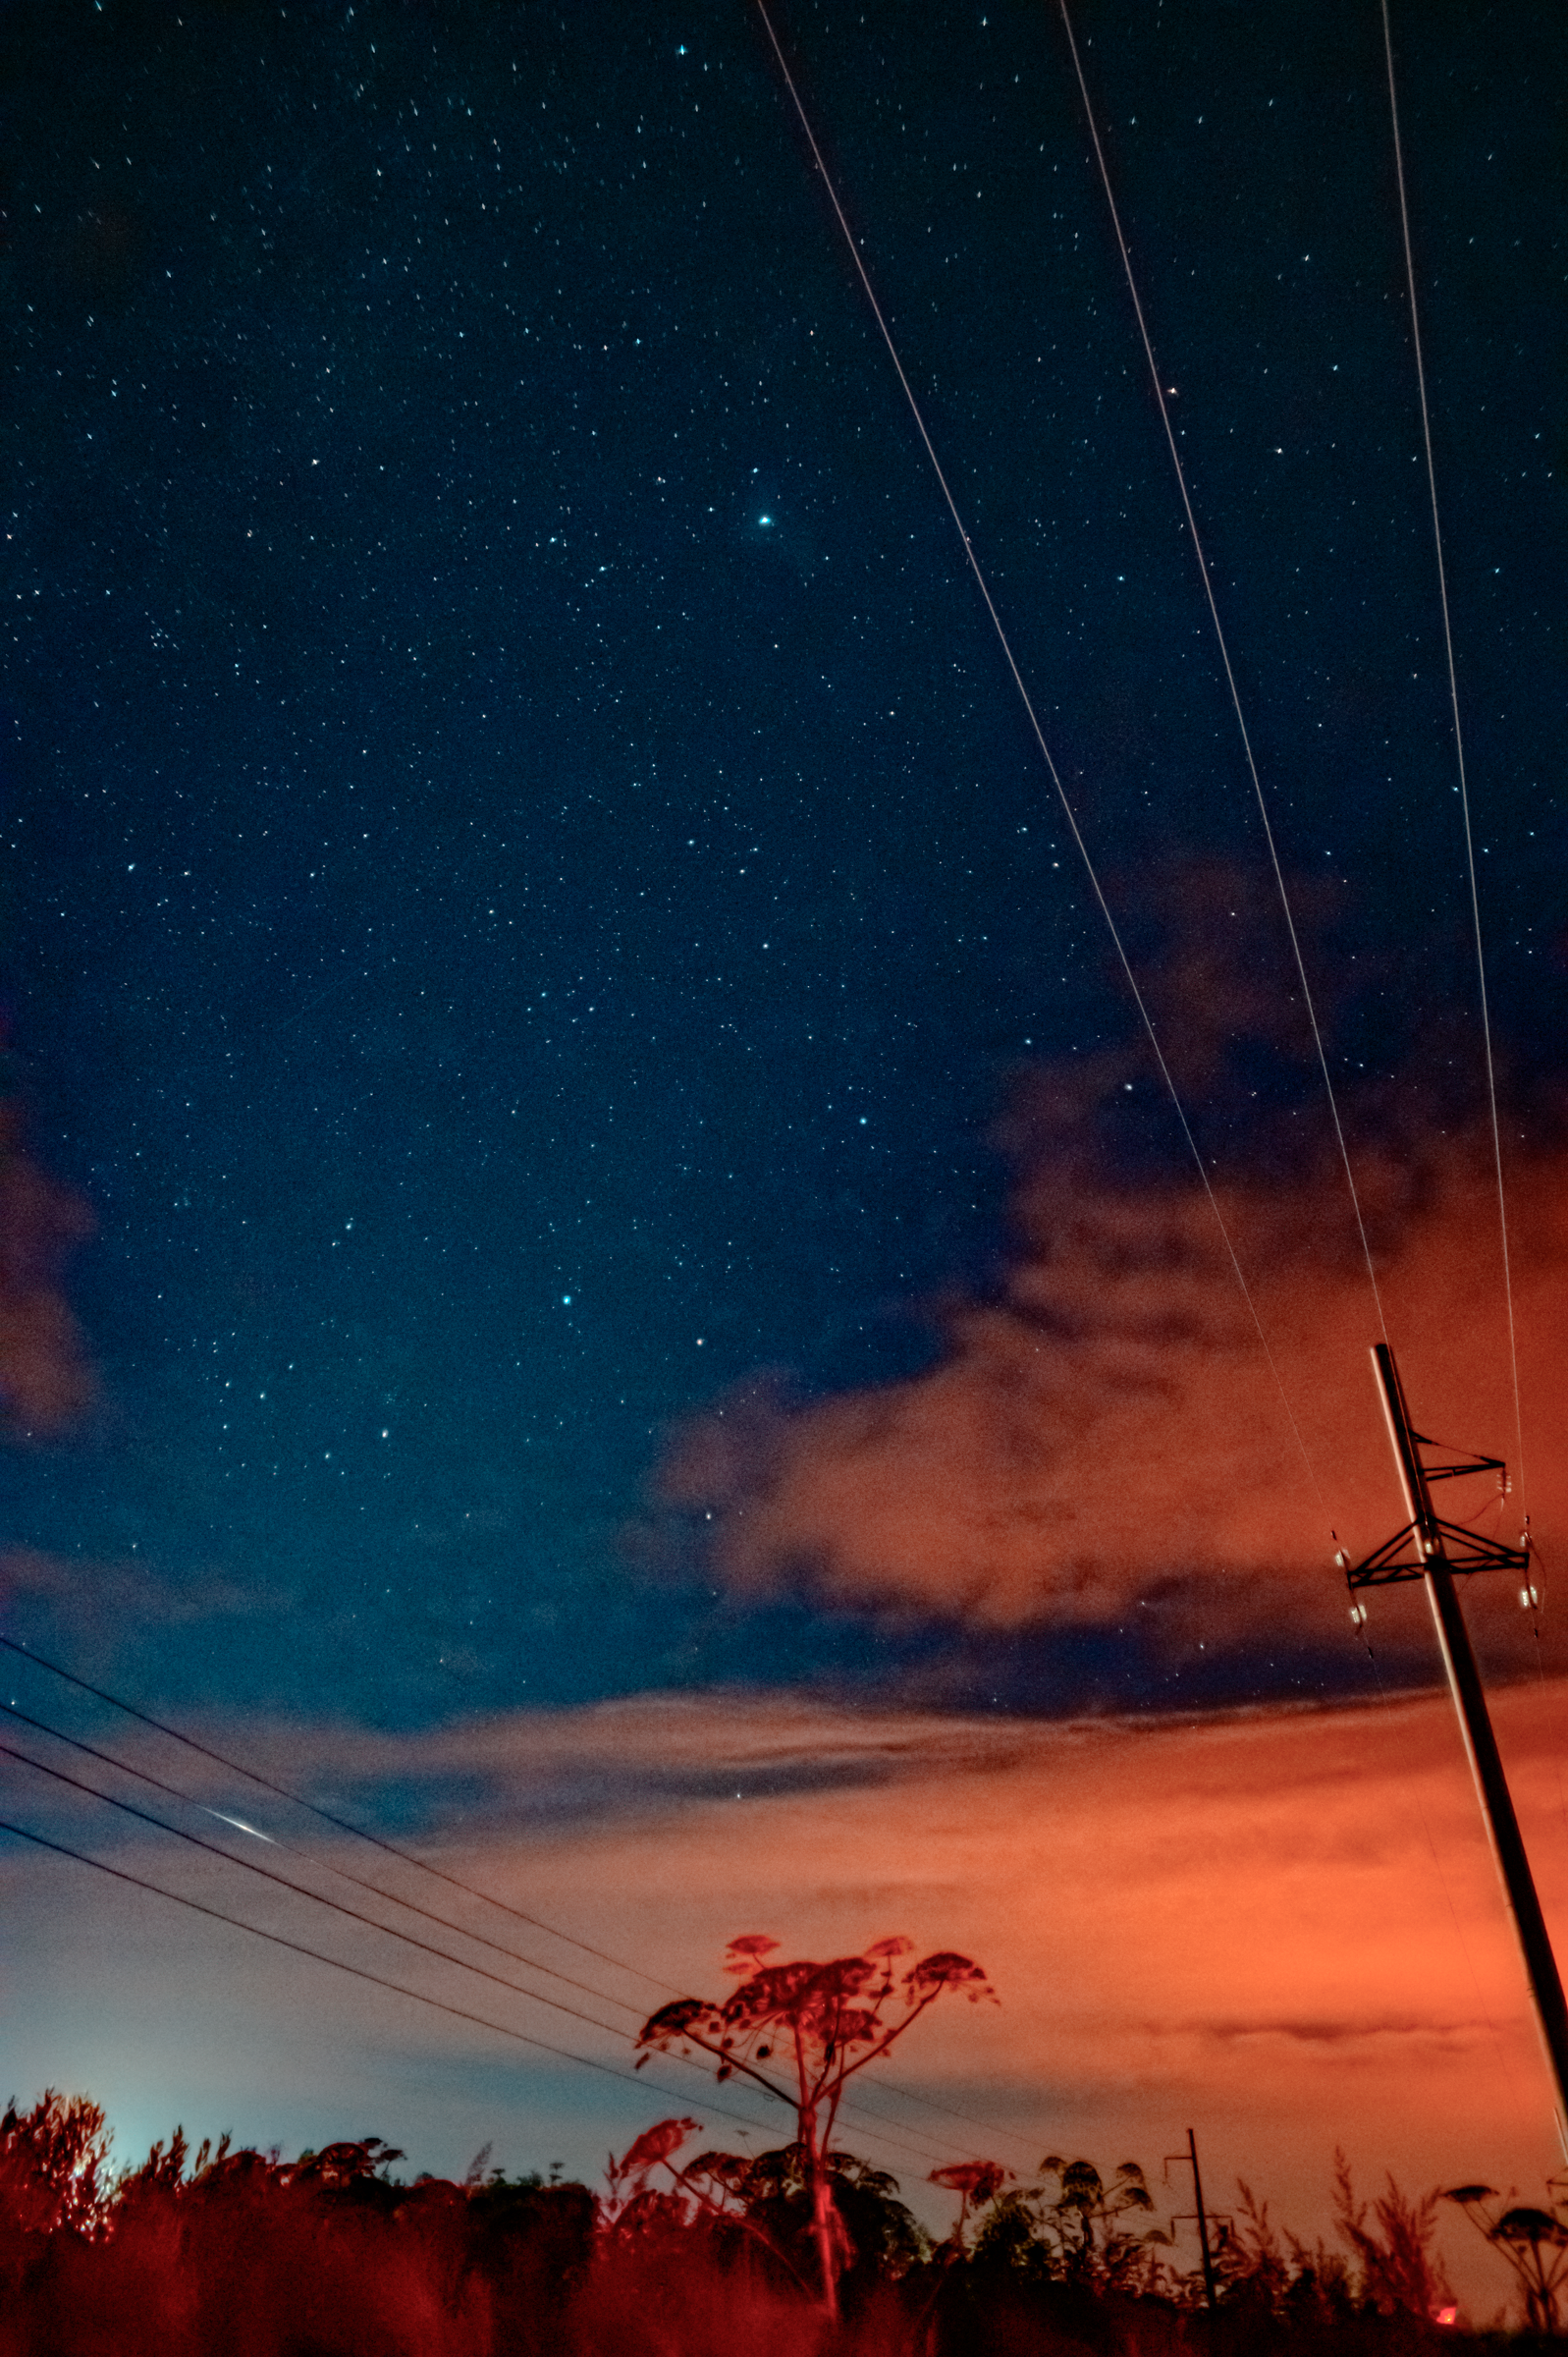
column 1106, row 1436
column 1285, row 1924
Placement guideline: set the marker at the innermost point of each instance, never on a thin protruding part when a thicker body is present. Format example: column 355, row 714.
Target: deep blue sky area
column 527, row 884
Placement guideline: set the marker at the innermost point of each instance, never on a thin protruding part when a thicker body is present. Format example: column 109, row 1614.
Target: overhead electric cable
column 345, row 1825
column 931, row 2104
column 1225, row 657
column 325, row 1865
column 1251, row 766
column 861, row 2116
column 356, row 1972
column 1045, row 750
column 1459, row 737
column 301, row 1889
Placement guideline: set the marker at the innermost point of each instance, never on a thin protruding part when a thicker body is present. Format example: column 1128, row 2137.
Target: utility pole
column 1190, row 2156
column 1440, row 1549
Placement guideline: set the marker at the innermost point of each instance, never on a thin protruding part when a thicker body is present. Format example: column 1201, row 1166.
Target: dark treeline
column 223, row 2253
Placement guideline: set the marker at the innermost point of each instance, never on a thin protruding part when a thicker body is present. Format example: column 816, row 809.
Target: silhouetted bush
column 239, row 2254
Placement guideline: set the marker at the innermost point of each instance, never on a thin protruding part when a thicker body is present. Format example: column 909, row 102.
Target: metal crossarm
column 1467, row 1465
column 1463, row 1551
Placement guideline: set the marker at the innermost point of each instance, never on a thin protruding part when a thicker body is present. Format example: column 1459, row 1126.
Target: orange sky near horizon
column 1281, row 1927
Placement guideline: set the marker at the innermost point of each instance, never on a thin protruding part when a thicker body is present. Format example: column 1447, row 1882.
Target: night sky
column 532, row 913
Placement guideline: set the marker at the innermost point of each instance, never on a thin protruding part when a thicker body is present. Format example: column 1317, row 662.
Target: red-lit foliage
column 1075, row 2228
column 247, row 2256
column 237, row 2254
column 761, row 2208
column 1399, row 2269
column 816, row 2026
column 52, row 2162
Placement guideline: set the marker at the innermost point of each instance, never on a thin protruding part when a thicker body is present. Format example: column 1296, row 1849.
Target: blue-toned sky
column 538, row 934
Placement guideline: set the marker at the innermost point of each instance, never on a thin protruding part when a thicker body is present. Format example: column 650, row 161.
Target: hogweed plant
column 802, row 2031
column 1532, row 2240
column 975, row 2182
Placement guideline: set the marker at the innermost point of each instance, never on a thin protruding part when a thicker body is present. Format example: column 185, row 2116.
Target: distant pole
column 1211, row 2294
column 1190, row 2157
column 1481, row 1744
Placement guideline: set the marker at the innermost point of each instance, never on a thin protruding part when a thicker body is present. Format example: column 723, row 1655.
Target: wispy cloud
column 46, row 1377
column 123, row 1594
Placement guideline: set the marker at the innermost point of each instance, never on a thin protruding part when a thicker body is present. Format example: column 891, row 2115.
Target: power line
column 1251, row 766
column 932, row 2103
column 345, row 1825
column 1045, row 750
column 1459, row 740
column 358, row 1972
column 301, row 1890
column 1225, row 657
column 352, row 1914
column 324, row 1865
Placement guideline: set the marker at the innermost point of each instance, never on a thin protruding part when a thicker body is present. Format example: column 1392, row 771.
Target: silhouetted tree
column 818, row 2025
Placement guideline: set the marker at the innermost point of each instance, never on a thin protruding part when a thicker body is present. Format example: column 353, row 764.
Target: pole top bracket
column 1402, row 1558
column 1427, row 1542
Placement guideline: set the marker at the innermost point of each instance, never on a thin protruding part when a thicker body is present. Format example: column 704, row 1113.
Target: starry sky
column 559, row 1043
